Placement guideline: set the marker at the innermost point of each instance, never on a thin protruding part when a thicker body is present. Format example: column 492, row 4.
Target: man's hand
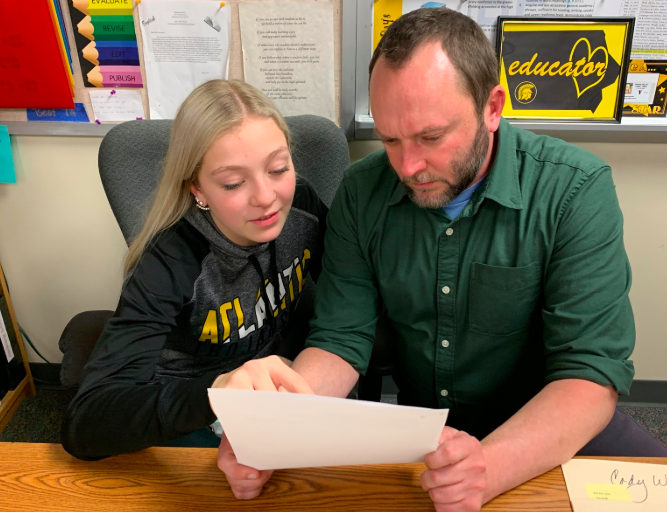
column 246, row 483
column 268, row 374
column 456, row 475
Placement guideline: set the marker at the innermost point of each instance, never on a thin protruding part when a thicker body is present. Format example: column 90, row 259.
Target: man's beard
column 465, row 171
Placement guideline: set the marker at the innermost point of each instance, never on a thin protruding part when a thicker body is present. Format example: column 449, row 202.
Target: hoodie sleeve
column 119, row 406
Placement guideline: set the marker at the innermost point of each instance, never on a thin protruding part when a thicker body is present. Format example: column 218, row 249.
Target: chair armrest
column 77, row 342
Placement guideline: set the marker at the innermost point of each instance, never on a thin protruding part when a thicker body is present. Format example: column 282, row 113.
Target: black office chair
column 130, row 163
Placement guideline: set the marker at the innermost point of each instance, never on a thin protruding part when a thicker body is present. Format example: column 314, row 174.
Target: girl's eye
column 232, row 186
column 280, row 171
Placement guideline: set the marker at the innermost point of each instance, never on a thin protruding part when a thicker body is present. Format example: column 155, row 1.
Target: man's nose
column 412, row 161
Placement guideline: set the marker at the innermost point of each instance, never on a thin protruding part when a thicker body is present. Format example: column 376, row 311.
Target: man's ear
column 494, row 108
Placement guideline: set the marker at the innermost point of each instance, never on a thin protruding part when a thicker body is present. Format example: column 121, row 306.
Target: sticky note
column 7, row 173
column 74, row 115
column 608, row 492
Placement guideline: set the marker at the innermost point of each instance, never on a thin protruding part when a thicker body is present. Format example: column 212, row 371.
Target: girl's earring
column 201, row 205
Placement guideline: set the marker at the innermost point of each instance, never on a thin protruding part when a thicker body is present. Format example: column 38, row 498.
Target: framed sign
column 646, row 89
column 570, row 69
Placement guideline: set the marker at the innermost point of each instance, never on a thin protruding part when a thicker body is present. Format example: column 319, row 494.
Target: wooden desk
column 43, row 477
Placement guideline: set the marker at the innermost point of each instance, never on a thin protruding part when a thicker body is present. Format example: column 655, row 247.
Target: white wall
column 60, row 246
column 62, row 250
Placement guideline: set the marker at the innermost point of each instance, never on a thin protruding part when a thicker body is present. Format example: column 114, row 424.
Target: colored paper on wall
column 63, row 31
column 7, row 173
column 106, row 42
column 33, row 73
column 646, row 89
column 76, row 115
column 60, row 36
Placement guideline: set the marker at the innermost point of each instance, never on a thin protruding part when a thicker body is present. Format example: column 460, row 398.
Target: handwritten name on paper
column 641, row 491
column 602, row 485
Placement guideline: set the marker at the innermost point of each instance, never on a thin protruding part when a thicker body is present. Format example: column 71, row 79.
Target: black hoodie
column 194, row 307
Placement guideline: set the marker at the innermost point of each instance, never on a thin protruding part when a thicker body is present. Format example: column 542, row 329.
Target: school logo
column 525, row 92
column 570, row 69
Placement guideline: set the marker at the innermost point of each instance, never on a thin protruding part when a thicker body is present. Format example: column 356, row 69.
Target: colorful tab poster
column 7, row 173
column 73, row 115
column 106, row 42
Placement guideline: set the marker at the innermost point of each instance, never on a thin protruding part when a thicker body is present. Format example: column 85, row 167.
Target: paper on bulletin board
column 385, row 12
column 186, row 43
column 117, row 105
column 486, row 12
column 288, row 54
column 72, row 115
column 613, row 486
column 33, row 68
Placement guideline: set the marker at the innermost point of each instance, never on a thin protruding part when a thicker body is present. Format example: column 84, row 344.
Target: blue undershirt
column 456, row 205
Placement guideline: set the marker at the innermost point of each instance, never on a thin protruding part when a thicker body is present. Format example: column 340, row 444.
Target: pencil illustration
column 112, row 53
column 104, row 7
column 115, row 76
column 107, row 28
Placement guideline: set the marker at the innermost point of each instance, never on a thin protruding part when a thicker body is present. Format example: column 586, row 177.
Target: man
column 499, row 257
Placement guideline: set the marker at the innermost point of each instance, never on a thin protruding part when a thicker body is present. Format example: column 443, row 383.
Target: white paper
column 646, row 485
column 284, row 430
column 288, row 54
column 650, row 37
column 116, row 105
column 4, row 338
column 486, row 12
column 640, row 88
column 186, row 43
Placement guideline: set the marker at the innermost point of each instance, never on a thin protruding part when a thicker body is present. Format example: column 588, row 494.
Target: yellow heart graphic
column 590, row 56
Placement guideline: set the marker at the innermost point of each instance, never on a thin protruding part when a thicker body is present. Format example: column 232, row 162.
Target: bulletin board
column 364, row 22
column 12, row 116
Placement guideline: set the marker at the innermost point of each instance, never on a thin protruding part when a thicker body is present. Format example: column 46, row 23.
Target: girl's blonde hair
column 211, row 110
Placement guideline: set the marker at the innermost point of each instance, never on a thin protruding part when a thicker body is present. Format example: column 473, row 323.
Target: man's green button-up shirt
column 529, row 284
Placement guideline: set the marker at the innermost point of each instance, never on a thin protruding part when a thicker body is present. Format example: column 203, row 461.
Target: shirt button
column 449, row 231
column 445, row 290
column 445, row 343
column 444, row 392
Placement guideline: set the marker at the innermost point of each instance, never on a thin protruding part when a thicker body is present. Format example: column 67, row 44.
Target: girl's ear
column 194, row 189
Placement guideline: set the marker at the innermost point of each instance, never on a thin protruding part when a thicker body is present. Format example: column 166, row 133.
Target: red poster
column 32, row 72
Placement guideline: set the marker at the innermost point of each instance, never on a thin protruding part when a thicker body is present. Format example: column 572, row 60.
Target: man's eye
column 389, row 141
column 435, row 138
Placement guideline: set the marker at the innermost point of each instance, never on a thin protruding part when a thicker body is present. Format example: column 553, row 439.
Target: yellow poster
column 569, row 70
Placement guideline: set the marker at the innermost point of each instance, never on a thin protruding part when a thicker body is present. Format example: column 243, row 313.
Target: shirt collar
column 502, row 183
column 502, row 180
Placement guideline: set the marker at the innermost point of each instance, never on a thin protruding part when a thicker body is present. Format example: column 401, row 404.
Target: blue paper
column 75, row 115
column 7, row 173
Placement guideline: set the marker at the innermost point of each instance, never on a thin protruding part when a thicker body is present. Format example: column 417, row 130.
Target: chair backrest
column 132, row 154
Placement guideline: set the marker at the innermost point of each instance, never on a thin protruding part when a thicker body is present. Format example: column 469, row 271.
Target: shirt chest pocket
column 502, row 299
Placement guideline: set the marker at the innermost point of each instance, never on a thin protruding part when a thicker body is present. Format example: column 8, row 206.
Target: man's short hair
column 462, row 39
